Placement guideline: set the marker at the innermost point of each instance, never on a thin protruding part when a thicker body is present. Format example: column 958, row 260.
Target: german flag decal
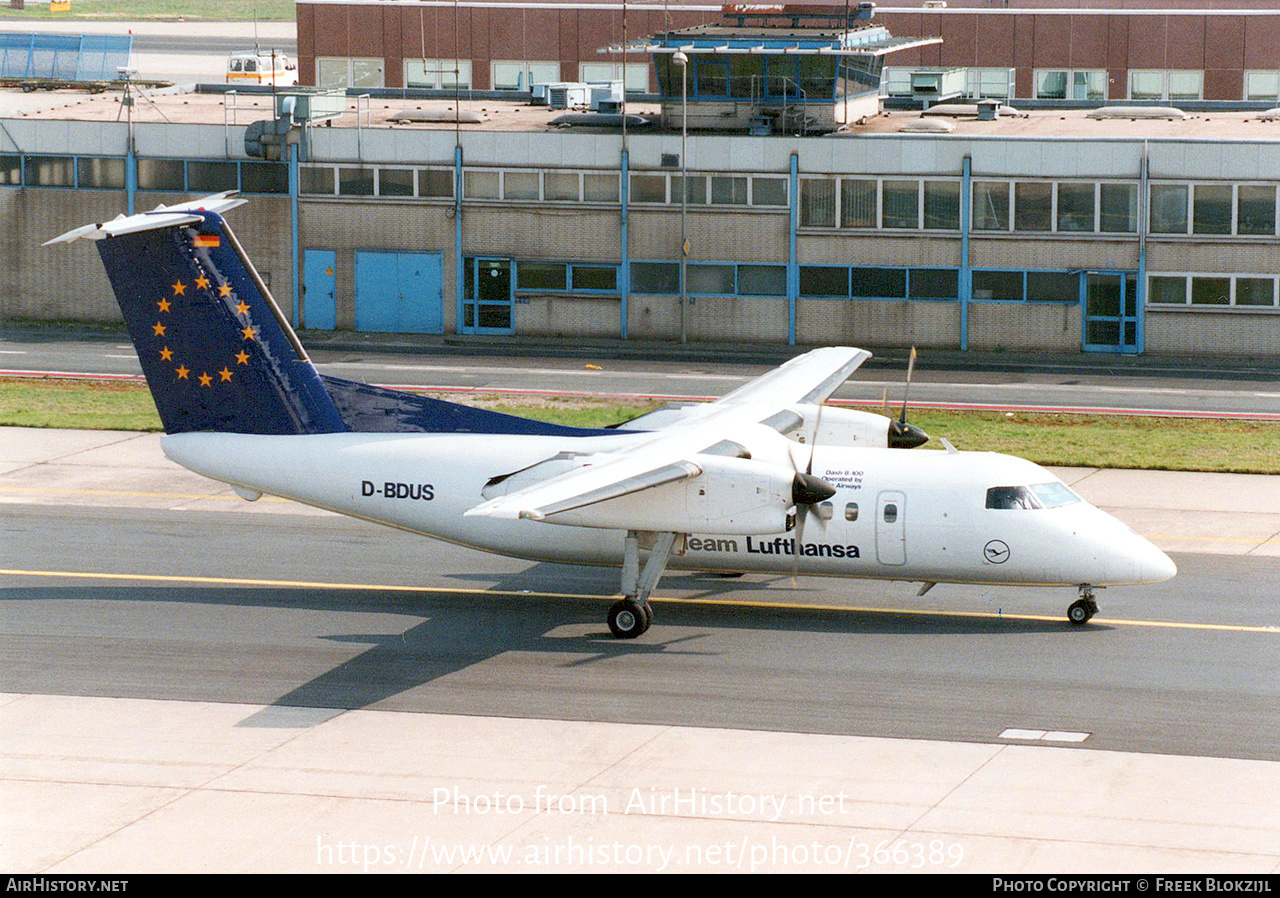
column 209, row 240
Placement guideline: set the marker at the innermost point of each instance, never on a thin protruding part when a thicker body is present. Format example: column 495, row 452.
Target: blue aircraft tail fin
column 217, row 353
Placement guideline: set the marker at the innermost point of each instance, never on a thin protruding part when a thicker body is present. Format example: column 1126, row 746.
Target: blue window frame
column 863, row 282
column 736, row 279
column 562, row 277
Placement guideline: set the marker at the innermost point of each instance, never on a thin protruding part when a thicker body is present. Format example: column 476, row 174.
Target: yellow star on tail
column 247, row 333
column 166, row 354
column 242, row 308
column 179, row 289
column 224, row 374
column 158, row 328
column 242, row 358
column 224, row 289
column 205, row 379
column 163, row 304
column 202, row 283
column 183, row 371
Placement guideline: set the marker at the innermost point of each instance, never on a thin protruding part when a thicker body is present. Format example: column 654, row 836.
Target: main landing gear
column 1083, row 608
column 633, row 615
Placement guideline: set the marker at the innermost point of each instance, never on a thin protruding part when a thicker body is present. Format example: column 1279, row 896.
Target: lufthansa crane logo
column 996, row 552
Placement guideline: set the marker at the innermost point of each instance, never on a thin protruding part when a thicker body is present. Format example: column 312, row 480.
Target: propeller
column 807, row 491
column 901, row 434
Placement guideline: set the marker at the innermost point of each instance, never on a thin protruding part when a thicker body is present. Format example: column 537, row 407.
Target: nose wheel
column 1083, row 608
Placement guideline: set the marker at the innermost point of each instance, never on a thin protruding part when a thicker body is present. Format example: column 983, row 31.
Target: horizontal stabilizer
column 160, row 217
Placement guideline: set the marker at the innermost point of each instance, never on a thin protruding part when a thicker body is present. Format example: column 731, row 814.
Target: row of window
column 532, row 185
column 862, row 282
column 1176, row 85
column 1244, row 290
column 1226, row 209
column 171, row 175
column 1039, row 206
column 448, row 74
column 1240, row 210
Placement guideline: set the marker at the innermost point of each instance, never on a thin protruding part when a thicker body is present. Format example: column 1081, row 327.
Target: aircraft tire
column 627, row 620
column 1080, row 612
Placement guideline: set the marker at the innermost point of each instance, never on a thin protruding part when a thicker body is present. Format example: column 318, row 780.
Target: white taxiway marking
column 13, row 352
column 1043, row 735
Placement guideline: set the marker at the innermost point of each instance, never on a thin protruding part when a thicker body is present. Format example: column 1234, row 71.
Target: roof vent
column 1142, row 112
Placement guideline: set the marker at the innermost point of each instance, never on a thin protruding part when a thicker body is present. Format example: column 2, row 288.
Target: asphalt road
column 1089, row 386
column 1187, row 667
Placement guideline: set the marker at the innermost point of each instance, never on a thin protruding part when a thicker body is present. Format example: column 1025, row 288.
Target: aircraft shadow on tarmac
column 456, row 632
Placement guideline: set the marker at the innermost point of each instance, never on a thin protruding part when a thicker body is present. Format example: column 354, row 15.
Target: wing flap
column 650, row 479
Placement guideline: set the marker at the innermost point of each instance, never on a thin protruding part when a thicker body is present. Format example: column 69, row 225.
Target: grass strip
column 1085, row 440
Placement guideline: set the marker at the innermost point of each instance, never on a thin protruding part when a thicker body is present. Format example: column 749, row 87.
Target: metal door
column 399, row 293
column 891, row 522
column 320, row 284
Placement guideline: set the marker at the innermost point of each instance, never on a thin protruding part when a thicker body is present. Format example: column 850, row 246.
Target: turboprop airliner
column 766, row 479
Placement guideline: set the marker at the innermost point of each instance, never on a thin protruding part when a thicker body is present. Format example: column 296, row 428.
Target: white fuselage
column 896, row 514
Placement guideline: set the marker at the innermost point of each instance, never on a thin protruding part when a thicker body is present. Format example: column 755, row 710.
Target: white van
column 261, row 67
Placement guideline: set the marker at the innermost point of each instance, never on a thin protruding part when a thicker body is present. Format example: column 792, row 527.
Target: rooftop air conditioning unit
column 568, row 94
column 606, row 96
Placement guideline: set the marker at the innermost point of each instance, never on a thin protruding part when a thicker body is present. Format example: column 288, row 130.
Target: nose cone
column 1155, row 566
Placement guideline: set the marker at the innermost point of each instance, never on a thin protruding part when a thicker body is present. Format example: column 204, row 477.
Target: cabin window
column 890, row 513
column 851, row 511
column 824, row 511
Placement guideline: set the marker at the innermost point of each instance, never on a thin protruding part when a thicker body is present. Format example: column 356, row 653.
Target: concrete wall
column 61, row 281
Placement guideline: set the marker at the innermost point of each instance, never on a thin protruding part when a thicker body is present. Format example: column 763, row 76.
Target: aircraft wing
column 742, row 425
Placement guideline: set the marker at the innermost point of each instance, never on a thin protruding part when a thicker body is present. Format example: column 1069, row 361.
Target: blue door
column 319, row 286
column 488, row 305
column 1111, row 313
column 399, row 293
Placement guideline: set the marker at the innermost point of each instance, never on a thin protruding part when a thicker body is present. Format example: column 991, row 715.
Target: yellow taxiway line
column 735, row 603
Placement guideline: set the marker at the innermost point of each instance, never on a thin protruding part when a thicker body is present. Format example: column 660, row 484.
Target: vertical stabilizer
column 217, row 353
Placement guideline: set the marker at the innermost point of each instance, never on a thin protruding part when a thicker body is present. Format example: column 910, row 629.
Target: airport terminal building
column 1135, row 231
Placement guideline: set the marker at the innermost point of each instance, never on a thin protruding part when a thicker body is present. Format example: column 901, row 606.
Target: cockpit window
column 1053, row 495
column 1011, row 497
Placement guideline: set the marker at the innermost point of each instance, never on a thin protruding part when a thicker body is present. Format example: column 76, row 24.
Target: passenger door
column 891, row 535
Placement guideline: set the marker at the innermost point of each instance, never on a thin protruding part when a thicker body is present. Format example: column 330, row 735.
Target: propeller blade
column 802, row 512
column 906, row 392
column 813, row 443
column 901, row 434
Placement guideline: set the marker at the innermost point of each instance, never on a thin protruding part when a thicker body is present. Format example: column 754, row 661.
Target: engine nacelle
column 731, row 495
column 843, row 427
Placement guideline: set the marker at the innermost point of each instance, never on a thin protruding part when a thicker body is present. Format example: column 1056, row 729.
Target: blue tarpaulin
column 66, row 57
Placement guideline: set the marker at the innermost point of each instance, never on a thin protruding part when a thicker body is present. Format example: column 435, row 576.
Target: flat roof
column 504, row 115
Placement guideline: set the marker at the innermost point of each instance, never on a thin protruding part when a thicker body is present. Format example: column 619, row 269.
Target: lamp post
column 682, row 60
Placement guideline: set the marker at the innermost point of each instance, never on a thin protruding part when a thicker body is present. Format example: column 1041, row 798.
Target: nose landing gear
column 1083, row 608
